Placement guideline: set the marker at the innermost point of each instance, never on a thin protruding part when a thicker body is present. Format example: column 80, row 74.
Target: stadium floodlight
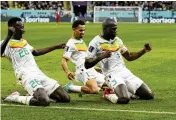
column 118, row 13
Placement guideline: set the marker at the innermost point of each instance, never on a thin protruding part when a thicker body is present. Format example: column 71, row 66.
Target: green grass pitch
column 157, row 68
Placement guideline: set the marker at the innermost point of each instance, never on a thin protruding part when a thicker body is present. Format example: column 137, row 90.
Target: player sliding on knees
column 35, row 82
column 108, row 49
column 75, row 51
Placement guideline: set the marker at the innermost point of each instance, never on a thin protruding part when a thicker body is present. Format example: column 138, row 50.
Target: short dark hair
column 77, row 22
column 108, row 22
column 13, row 20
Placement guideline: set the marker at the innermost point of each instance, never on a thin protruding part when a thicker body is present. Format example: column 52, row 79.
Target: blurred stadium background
column 151, row 11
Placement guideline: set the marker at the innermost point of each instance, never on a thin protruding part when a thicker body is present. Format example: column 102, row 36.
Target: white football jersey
column 19, row 52
column 75, row 50
column 115, row 61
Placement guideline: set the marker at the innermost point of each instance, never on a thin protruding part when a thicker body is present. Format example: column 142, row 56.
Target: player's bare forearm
column 130, row 56
column 64, row 65
column 4, row 44
column 90, row 62
column 38, row 52
column 70, row 75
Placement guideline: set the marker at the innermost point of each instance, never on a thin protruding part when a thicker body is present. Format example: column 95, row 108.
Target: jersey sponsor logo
column 81, row 46
column 91, row 48
column 18, row 44
column 111, row 47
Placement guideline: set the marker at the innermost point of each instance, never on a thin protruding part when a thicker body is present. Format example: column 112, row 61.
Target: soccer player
column 58, row 16
column 108, row 49
column 75, row 51
column 20, row 53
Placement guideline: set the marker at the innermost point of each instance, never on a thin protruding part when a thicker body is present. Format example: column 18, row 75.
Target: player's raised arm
column 42, row 51
column 11, row 30
column 130, row 56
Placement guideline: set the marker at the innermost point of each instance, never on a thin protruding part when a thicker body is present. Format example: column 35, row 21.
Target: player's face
column 19, row 27
column 112, row 31
column 79, row 31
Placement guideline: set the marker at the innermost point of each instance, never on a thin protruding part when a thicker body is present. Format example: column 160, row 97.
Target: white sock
column 112, row 97
column 75, row 88
column 23, row 99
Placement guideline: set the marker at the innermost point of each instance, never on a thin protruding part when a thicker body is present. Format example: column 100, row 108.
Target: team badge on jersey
column 91, row 48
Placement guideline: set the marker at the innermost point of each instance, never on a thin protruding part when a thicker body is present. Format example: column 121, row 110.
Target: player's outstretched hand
column 61, row 45
column 147, row 47
column 71, row 75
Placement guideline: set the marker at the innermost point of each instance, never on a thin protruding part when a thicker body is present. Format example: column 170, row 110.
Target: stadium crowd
column 54, row 5
column 147, row 5
column 32, row 5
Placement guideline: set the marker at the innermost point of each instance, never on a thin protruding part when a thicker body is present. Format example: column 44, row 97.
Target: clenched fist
column 147, row 47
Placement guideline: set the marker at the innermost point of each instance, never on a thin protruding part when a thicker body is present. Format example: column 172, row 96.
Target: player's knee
column 95, row 90
column 147, row 96
column 123, row 100
column 150, row 96
column 43, row 101
column 66, row 98
column 42, row 97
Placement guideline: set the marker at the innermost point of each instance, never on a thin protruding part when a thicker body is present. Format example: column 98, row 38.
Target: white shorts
column 83, row 75
column 32, row 81
column 124, row 76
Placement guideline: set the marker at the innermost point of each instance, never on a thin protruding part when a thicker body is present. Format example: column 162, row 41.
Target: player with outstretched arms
column 107, row 49
column 39, row 87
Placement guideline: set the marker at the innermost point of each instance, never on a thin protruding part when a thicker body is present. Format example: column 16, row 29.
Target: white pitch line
column 95, row 109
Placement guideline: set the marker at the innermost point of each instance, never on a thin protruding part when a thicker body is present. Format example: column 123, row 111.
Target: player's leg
column 16, row 97
column 86, row 77
column 93, row 81
column 34, row 87
column 138, row 87
column 70, row 87
column 54, row 90
column 144, row 92
column 116, row 82
column 38, row 96
column 92, row 87
column 122, row 93
column 112, row 97
column 60, row 95
column 40, row 86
